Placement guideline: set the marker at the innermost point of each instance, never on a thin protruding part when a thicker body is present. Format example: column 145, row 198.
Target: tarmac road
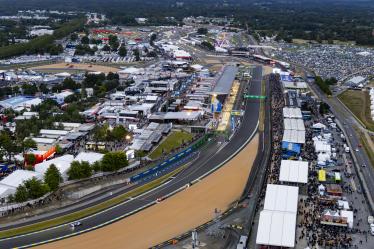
column 207, row 161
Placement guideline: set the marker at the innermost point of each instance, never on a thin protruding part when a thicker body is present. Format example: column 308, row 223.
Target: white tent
column 10, row 183
column 322, row 147
column 63, row 75
column 197, row 67
column 349, row 216
column 281, row 198
column 90, row 157
column 130, row 70
column 62, row 163
column 293, row 171
column 319, row 126
column 277, row 223
column 289, row 112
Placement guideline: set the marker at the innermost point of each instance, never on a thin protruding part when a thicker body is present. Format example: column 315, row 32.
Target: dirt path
column 77, row 66
column 174, row 216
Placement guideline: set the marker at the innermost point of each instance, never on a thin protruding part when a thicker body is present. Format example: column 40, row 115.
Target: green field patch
column 170, row 143
column 359, row 104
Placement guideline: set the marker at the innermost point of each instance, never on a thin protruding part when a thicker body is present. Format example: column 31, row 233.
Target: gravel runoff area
column 77, row 66
column 175, row 215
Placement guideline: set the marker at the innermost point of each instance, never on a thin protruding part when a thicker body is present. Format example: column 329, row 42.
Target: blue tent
column 290, row 150
column 286, row 77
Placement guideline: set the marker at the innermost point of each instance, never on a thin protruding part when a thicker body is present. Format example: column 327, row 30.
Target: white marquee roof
column 277, row 222
column 294, row 136
column 276, row 229
column 294, row 124
column 289, row 112
column 293, row 171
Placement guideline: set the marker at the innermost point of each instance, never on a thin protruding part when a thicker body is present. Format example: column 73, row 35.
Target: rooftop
column 224, row 82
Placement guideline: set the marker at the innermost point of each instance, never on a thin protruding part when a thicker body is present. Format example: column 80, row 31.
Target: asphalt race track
column 208, row 160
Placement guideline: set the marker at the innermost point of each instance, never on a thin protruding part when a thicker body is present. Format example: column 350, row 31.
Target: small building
column 60, row 97
column 44, row 144
column 356, row 81
column 20, row 103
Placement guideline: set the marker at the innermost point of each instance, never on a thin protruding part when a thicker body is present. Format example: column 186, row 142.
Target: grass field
column 88, row 211
column 173, row 141
column 359, row 103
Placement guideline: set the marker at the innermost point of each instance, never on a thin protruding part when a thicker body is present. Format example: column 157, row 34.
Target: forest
column 287, row 19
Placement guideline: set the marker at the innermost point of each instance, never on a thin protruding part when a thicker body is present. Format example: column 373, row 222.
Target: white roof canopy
column 276, row 229
column 293, row 171
column 277, row 222
column 289, row 112
column 294, row 136
column 294, row 124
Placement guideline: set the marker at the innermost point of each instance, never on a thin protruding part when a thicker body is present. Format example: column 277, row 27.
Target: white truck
column 346, row 148
column 242, row 242
column 371, row 224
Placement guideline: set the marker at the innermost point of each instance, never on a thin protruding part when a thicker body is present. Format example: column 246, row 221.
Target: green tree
column 58, row 149
column 21, row 194
column 152, row 39
column 122, row 51
column 113, row 161
column 36, row 188
column 30, row 159
column 85, row 40
column 74, row 37
column 119, row 133
column 8, row 145
column 79, row 170
column 139, row 154
column 96, row 166
column 136, row 54
column 28, row 143
column 43, row 88
column 29, row 89
column 113, row 41
column 52, row 177
column 106, row 48
column 112, row 76
column 202, row 31
column 207, row 45
column 69, row 83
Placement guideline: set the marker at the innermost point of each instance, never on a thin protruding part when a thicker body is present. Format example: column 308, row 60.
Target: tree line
column 42, row 44
column 35, row 188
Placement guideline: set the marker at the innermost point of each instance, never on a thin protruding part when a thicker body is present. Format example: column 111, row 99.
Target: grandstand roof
column 224, row 82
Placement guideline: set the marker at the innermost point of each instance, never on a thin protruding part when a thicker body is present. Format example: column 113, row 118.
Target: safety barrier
column 173, row 159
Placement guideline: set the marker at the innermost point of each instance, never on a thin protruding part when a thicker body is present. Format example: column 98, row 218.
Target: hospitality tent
column 9, row 184
column 277, row 223
column 62, row 163
column 90, row 157
column 293, row 171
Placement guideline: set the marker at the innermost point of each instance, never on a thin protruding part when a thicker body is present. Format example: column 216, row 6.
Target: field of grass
column 173, row 141
column 88, row 211
column 359, row 104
